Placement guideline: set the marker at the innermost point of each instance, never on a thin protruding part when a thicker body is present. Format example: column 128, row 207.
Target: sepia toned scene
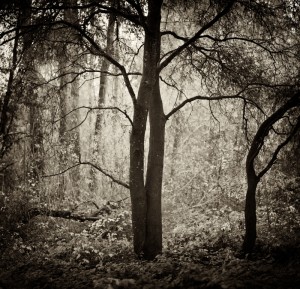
column 149, row 144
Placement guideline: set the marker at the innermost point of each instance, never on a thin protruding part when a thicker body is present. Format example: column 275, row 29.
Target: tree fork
column 253, row 178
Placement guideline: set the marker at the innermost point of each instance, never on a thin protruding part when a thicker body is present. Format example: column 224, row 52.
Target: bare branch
column 97, row 50
column 98, row 168
column 61, row 172
column 86, row 71
column 91, row 109
column 202, row 97
column 5, row 167
column 175, row 35
column 256, row 42
column 177, row 51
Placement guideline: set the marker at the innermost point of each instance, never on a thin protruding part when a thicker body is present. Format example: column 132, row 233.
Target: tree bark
column 250, row 209
column 146, row 199
column 153, row 242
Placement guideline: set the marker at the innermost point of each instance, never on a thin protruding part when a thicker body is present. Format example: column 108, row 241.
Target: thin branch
column 201, row 97
column 175, row 35
column 99, row 51
column 6, row 167
column 91, row 109
column 252, row 41
column 197, row 35
column 98, row 168
column 86, row 71
column 121, row 183
column 61, row 172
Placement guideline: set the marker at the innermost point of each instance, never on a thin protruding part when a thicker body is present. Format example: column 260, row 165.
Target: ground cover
column 49, row 252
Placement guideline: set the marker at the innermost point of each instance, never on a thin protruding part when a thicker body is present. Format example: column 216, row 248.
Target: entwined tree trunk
column 146, row 197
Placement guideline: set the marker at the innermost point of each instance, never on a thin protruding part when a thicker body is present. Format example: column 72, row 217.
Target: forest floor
column 54, row 253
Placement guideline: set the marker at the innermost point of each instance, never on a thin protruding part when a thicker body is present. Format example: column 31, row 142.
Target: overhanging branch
column 89, row 108
column 210, row 98
column 98, row 168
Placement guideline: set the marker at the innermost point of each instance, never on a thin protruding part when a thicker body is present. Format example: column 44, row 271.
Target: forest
column 149, row 144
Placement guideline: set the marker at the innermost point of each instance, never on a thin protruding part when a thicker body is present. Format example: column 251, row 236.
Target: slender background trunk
column 69, row 98
column 99, row 149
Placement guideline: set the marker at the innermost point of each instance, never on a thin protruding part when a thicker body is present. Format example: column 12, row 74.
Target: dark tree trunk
column 253, row 178
column 137, row 188
column 250, row 209
column 153, row 242
column 146, row 199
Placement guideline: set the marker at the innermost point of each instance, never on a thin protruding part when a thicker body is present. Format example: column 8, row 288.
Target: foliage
column 279, row 210
column 211, row 229
column 61, row 253
column 113, row 227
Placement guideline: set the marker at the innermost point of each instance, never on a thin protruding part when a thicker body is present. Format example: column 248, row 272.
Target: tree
column 6, row 111
column 223, row 55
column 99, row 151
column 69, row 96
column 254, row 177
column 146, row 195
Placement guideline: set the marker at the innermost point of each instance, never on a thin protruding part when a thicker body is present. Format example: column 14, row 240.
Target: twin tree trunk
column 146, row 194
